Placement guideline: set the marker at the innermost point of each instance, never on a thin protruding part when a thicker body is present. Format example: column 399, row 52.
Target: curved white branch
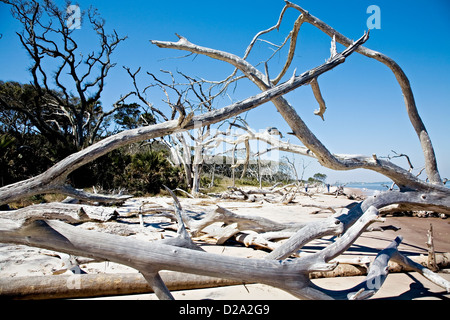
column 402, row 79
column 52, row 179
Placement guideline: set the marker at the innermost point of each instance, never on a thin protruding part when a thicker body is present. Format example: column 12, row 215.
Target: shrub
column 148, row 171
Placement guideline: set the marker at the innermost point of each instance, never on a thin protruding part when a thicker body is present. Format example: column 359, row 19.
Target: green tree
column 130, row 116
column 59, row 111
column 24, row 111
column 320, row 177
column 148, row 171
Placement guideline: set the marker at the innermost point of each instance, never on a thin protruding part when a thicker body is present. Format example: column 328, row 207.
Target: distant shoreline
column 369, row 188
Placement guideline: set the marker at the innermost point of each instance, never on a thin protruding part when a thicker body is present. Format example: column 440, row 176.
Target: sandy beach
column 22, row 261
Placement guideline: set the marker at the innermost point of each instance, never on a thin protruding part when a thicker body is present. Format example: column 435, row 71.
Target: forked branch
column 404, row 179
column 53, row 180
column 402, row 79
column 151, row 257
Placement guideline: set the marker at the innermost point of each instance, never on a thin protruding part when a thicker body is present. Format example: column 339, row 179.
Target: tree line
column 30, row 143
column 59, row 111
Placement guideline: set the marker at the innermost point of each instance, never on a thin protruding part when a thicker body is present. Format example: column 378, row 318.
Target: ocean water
column 369, row 188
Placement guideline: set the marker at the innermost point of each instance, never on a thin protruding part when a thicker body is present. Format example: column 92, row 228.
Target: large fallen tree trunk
column 114, row 284
column 181, row 254
column 67, row 211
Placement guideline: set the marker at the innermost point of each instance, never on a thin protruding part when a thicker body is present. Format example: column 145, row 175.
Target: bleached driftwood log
column 100, row 285
column 182, row 254
column 87, row 285
column 62, row 211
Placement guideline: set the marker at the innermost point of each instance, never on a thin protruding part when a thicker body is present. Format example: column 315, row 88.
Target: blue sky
column 365, row 114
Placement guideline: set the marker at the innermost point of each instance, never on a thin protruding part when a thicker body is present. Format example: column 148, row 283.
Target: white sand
column 18, row 260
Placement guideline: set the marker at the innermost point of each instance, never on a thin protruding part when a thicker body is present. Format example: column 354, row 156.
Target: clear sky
column 365, row 114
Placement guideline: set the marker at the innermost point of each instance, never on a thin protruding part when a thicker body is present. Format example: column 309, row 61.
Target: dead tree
column 404, row 179
column 75, row 99
column 54, row 179
column 182, row 254
column 189, row 148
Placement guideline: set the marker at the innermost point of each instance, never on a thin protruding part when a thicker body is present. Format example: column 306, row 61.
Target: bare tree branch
column 54, row 40
column 289, row 275
column 402, row 79
column 401, row 177
column 37, row 226
column 54, row 178
column 318, row 95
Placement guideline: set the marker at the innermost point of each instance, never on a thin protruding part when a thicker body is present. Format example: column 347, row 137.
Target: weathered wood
column 318, row 95
column 404, row 179
column 375, row 277
column 53, row 180
column 291, row 275
column 72, row 213
column 244, row 222
column 427, row 273
column 402, row 79
column 226, row 233
column 432, row 200
column 157, row 284
column 150, row 257
column 142, row 255
column 431, row 264
column 98, row 285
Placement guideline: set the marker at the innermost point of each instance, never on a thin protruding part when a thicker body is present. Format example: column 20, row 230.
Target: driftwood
column 100, row 285
column 44, row 229
column 431, row 263
column 28, row 228
column 272, row 195
column 360, row 268
column 150, row 258
column 97, row 285
column 243, row 222
column 62, row 211
column 403, row 178
column 402, row 79
column 53, row 180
